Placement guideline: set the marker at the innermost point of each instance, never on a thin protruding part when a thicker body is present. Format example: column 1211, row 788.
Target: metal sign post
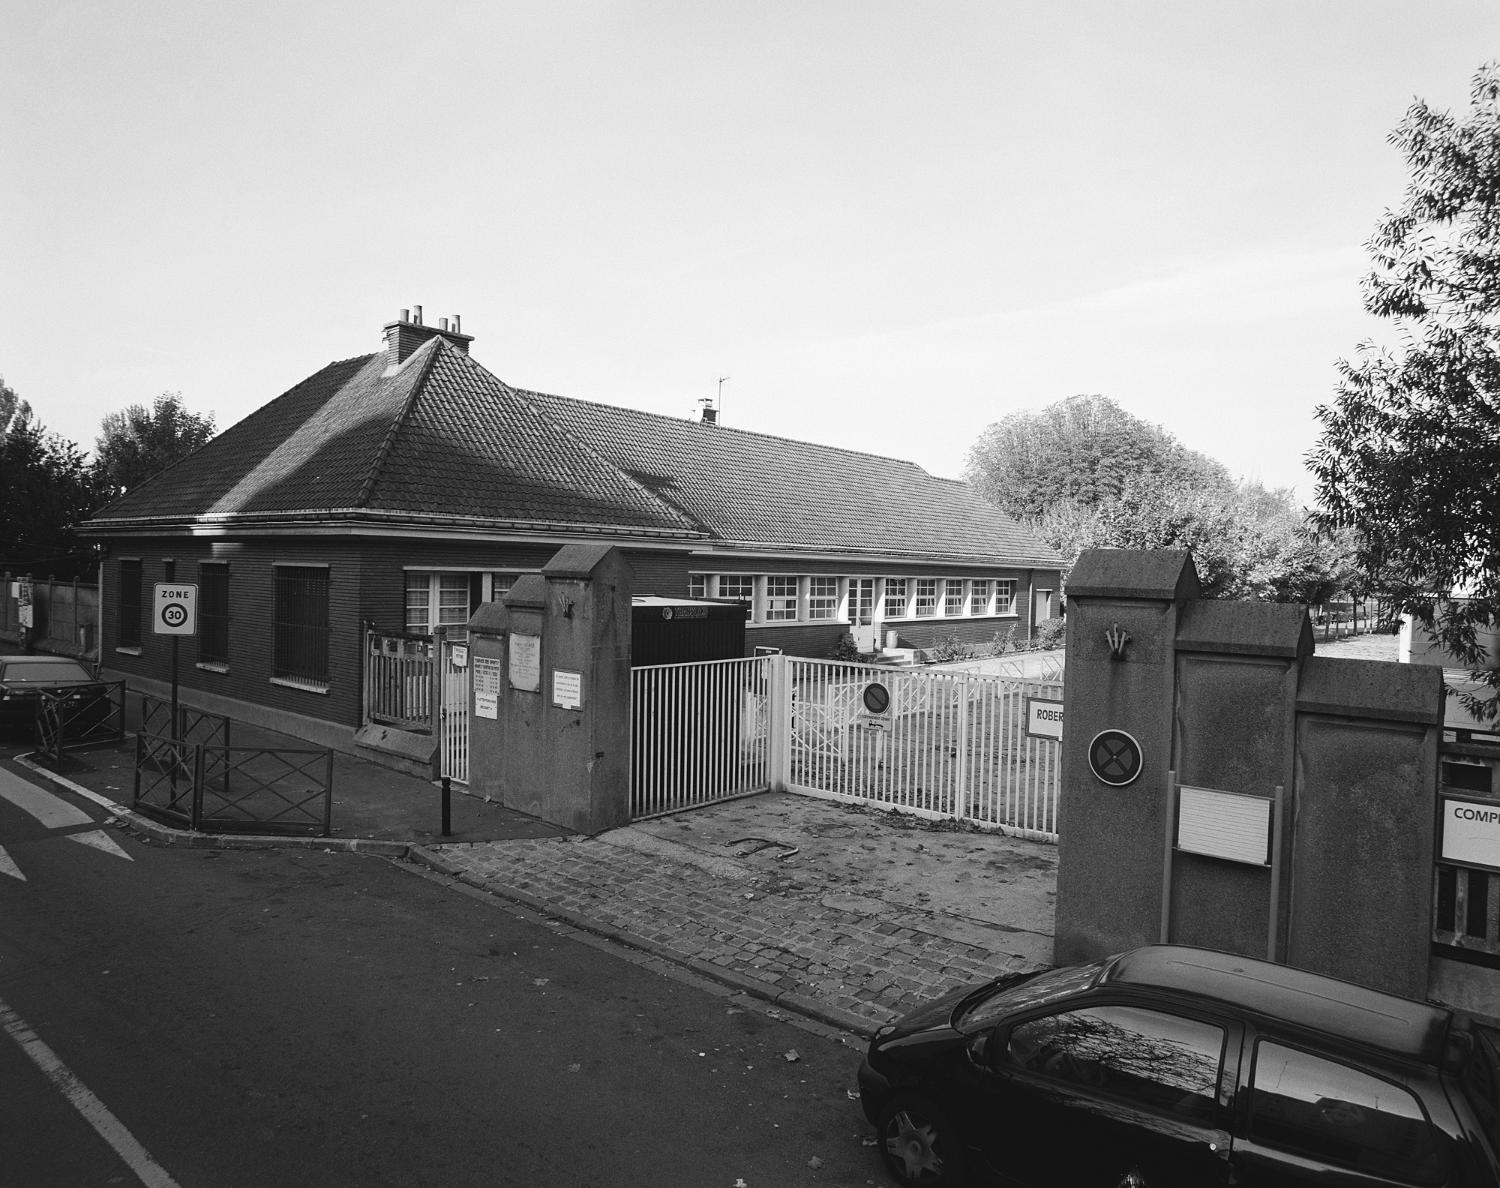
column 174, row 612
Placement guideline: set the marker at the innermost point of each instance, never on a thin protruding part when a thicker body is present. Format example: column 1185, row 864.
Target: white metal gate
column 453, row 727
column 945, row 745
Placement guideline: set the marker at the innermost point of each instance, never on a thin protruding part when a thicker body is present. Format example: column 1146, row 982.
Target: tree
column 1409, row 453
column 46, row 487
column 137, row 443
column 1079, row 450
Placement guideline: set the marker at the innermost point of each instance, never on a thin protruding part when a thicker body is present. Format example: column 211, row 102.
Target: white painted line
column 8, row 866
column 99, row 840
column 94, row 1111
column 51, row 811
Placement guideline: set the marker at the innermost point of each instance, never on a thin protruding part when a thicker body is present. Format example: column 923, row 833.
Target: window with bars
column 979, row 598
column 737, row 586
column 895, row 598
column 953, row 598
column 299, row 644
column 822, row 597
column 128, row 622
column 213, row 613
column 1005, row 597
column 926, row 596
column 781, row 599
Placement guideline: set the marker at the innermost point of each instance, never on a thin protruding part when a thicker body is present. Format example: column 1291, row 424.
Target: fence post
column 197, row 797
column 435, row 695
column 328, row 792
column 779, row 720
column 961, row 775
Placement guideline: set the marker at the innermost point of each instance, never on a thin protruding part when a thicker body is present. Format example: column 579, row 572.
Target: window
column 953, row 598
column 500, row 584
column 128, row 625
column 979, row 598
column 697, row 586
column 1005, row 596
column 299, row 642
column 926, row 596
column 1314, row 1107
column 213, row 613
column 1152, row 1058
column 436, row 600
column 737, row 586
column 822, row 597
column 895, row 598
column 781, row 599
column 418, row 601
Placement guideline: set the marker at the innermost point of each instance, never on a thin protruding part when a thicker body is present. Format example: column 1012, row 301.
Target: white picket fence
column 944, row 746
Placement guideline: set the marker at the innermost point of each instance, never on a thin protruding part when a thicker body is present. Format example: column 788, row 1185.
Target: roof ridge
column 377, row 464
column 720, row 427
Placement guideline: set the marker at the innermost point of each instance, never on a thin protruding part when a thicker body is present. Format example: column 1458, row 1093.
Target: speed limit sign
column 175, row 609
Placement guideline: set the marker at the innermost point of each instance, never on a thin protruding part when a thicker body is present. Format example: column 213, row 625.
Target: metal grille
column 300, row 625
column 129, row 623
column 398, row 680
column 213, row 613
column 455, row 713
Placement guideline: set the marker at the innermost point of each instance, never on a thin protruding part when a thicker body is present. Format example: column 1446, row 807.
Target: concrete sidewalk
column 845, row 914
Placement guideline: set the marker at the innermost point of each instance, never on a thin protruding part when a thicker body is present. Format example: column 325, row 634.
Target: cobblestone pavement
column 849, row 915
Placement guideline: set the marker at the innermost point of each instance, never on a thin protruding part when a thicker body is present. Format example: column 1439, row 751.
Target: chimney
column 407, row 333
column 709, row 415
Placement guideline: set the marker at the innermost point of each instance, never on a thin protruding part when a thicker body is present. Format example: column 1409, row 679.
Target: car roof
column 1402, row 1026
column 42, row 660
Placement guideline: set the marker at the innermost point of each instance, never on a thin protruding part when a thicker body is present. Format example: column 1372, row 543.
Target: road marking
column 52, row 812
column 94, row 1111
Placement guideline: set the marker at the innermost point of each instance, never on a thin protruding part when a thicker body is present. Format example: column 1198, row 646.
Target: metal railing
column 943, row 746
column 399, row 680
column 76, row 717
column 1467, row 910
column 223, row 789
column 699, row 733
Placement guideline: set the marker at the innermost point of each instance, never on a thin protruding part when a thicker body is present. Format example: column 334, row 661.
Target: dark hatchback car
column 1172, row 1067
column 22, row 678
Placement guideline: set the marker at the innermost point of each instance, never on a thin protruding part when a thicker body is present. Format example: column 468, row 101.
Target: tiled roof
column 770, row 493
column 441, row 442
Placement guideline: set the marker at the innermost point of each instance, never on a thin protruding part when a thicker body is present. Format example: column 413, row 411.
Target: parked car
column 1173, row 1067
column 23, row 677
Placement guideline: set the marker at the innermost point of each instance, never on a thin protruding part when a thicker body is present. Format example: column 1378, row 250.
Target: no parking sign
column 174, row 609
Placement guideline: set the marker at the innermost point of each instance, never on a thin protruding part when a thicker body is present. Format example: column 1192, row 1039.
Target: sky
column 887, row 224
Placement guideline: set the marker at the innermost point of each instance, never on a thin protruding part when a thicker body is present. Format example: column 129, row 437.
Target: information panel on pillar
column 1229, row 825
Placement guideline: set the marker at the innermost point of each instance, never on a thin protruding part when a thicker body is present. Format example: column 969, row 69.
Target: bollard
column 447, row 807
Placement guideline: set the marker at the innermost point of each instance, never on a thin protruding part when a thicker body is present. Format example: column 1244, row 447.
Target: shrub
column 950, row 647
column 846, row 649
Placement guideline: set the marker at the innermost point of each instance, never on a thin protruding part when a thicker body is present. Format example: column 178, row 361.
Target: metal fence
column 699, row 733
column 399, row 680
column 939, row 745
column 453, row 739
column 76, row 717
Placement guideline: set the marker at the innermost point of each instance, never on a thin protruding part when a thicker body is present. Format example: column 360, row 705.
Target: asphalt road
column 282, row 1018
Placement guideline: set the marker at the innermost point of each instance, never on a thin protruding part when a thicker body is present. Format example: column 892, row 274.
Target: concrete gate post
column 550, row 711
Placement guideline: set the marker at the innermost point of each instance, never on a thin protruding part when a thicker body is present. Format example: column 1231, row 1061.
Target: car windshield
column 1044, row 988
column 24, row 672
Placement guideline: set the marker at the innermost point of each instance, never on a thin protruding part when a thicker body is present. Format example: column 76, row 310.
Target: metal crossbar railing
column 76, row 717
column 234, row 789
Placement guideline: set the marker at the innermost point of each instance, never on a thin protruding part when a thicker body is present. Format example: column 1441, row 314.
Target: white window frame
column 986, row 605
column 832, row 603
column 921, row 598
column 946, row 598
column 1005, row 597
column 783, row 605
column 903, row 609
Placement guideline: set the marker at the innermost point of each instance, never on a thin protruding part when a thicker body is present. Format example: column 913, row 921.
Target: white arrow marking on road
column 100, row 840
column 53, row 813
column 9, row 867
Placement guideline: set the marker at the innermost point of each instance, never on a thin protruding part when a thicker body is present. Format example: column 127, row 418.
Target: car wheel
column 919, row 1144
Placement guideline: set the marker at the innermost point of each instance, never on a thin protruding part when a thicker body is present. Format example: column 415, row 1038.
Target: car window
column 23, row 672
column 1319, row 1108
column 1038, row 991
column 1154, row 1058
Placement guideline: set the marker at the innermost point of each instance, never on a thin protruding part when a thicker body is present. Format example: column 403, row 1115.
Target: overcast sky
column 888, row 224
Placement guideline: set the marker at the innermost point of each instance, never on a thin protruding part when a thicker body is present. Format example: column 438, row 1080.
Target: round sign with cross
column 876, row 698
column 1115, row 758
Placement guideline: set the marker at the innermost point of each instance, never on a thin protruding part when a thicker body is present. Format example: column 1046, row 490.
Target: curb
column 726, row 976
column 189, row 840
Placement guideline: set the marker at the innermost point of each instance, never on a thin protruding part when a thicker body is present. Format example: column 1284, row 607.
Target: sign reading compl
column 174, row 609
column 1471, row 832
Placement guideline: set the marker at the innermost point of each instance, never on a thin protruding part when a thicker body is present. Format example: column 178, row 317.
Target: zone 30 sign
column 174, row 609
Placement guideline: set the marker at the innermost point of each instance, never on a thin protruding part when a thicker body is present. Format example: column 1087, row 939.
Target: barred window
column 697, row 586
column 822, row 597
column 213, row 613
column 128, row 624
column 1005, row 597
column 895, row 598
column 953, row 598
column 781, row 599
column 927, row 596
column 979, row 598
column 738, row 586
column 300, row 626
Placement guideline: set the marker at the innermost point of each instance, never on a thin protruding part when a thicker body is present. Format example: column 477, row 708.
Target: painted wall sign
column 1115, row 758
column 526, row 662
column 684, row 612
column 567, row 689
column 1470, row 832
column 486, row 687
column 1044, row 718
column 174, row 608
column 1228, row 825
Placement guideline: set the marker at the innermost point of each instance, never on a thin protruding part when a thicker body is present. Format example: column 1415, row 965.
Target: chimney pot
column 457, row 329
column 442, row 323
column 406, row 315
column 417, row 316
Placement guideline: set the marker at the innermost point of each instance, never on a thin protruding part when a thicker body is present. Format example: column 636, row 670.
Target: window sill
column 302, row 686
column 210, row 666
column 135, row 651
